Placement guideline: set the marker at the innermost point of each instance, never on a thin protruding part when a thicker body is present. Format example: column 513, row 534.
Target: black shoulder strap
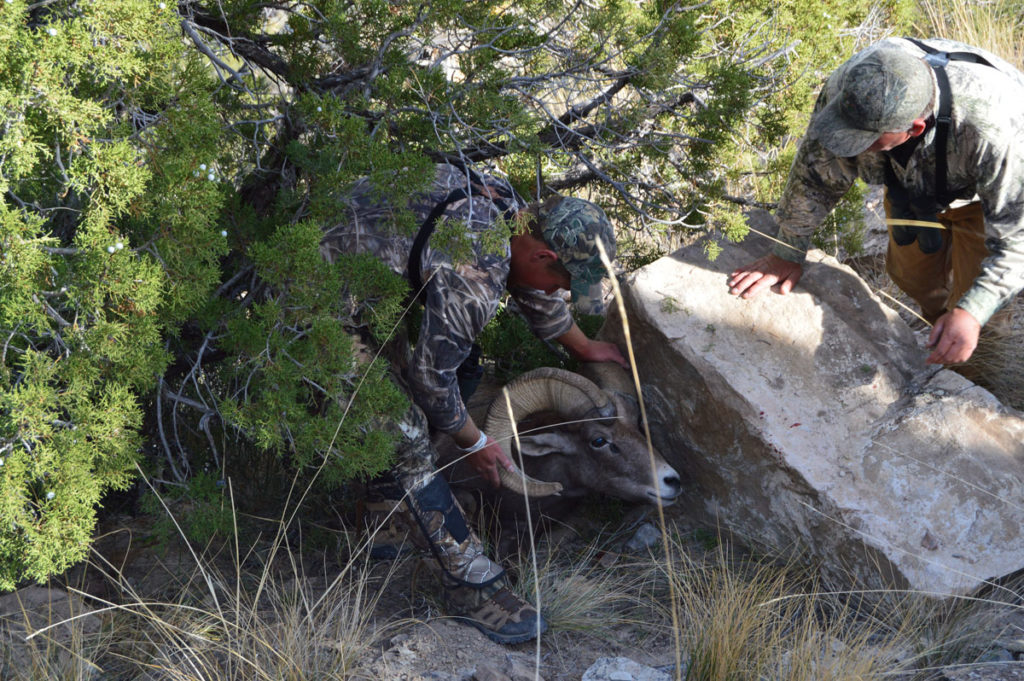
column 938, row 59
column 427, row 228
column 423, row 236
column 953, row 56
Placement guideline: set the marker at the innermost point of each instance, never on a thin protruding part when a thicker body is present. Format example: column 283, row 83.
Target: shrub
column 107, row 242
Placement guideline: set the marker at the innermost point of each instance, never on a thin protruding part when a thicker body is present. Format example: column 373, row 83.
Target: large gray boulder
column 811, row 421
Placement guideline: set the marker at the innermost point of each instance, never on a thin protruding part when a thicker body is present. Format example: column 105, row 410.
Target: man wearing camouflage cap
column 529, row 251
column 941, row 125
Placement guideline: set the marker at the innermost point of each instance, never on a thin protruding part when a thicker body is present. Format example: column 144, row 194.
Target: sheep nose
column 672, row 482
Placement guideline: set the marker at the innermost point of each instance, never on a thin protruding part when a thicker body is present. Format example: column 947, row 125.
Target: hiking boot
column 496, row 611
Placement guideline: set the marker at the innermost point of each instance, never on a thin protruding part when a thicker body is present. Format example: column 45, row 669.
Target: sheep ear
column 542, row 444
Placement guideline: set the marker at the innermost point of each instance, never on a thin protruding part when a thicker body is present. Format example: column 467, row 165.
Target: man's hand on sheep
column 482, row 452
column 487, row 460
column 589, row 350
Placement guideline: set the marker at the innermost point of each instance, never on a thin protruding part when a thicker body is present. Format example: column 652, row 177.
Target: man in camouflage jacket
column 485, row 242
column 875, row 119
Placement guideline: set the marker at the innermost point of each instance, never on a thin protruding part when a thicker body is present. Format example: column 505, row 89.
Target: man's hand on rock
column 769, row 272
column 954, row 337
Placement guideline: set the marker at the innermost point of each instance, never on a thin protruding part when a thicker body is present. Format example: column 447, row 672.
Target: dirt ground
column 413, row 640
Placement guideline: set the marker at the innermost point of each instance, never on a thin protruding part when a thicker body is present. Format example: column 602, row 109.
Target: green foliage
column 201, row 509
column 91, row 231
column 844, row 227
column 167, row 168
column 508, row 342
column 298, row 386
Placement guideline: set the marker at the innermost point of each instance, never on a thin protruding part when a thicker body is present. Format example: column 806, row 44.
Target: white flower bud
column 50, row 495
column 2, row 458
column 202, row 166
column 119, row 245
column 51, row 31
column 162, row 5
column 223, row 232
column 211, row 177
column 319, row 108
column 110, row 249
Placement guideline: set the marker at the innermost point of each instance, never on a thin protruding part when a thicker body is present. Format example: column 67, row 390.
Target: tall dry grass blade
column 995, row 25
column 529, row 528
column 754, row 619
column 617, row 292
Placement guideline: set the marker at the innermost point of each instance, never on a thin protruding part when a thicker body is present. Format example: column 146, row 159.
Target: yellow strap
column 915, row 223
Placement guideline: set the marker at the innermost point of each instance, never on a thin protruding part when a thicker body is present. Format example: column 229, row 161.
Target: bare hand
column 954, row 337
column 487, row 460
column 769, row 272
column 601, row 351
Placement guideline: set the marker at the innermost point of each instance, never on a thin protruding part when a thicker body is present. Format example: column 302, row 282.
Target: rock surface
column 811, row 420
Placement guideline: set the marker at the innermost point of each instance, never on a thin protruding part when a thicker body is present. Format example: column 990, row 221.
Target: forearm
column 817, row 181
column 468, row 435
column 1001, row 275
column 574, row 340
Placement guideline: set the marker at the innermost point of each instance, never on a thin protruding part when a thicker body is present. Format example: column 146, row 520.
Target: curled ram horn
column 544, row 389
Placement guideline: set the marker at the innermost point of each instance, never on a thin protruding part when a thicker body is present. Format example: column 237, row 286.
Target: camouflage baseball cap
column 881, row 90
column 572, row 227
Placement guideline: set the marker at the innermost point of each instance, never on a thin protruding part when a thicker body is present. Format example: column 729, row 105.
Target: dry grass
column 271, row 624
column 754, row 619
column 67, row 651
column 758, row 618
column 995, row 25
column 740, row 618
column 579, row 594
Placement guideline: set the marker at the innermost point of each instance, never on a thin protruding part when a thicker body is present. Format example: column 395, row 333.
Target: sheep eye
column 598, row 442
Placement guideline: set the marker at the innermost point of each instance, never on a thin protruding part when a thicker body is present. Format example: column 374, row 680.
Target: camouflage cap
column 881, row 90
column 572, row 227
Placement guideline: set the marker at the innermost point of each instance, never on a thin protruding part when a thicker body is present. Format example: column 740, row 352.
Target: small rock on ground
column 623, row 669
column 1010, row 671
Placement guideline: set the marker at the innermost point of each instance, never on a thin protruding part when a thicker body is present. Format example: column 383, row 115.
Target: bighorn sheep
column 577, row 436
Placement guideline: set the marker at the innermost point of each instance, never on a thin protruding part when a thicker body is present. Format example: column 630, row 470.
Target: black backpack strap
column 952, row 56
column 943, row 123
column 938, row 60
column 427, row 228
column 423, row 236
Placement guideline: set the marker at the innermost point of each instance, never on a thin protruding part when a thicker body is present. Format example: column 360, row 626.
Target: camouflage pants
column 429, row 506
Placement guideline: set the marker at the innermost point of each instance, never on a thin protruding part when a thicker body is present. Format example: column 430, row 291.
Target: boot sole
column 504, row 639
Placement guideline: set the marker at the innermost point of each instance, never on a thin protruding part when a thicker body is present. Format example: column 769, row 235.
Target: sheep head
column 596, row 427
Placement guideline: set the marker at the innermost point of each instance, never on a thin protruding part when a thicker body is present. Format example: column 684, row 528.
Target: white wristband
column 477, row 446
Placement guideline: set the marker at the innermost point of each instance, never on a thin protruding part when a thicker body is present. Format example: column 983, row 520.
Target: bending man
column 941, row 125
column 552, row 246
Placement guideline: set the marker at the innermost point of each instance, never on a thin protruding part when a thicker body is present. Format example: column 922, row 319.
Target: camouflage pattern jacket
column 464, row 278
column 985, row 160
